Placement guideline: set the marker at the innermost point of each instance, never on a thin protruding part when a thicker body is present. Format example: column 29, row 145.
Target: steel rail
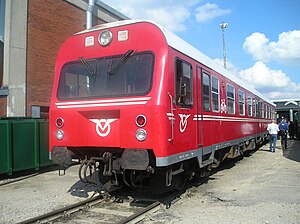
column 64, row 211
column 135, row 218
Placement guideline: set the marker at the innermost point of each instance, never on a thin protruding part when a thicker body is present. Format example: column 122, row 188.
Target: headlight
column 105, row 38
column 141, row 135
column 60, row 134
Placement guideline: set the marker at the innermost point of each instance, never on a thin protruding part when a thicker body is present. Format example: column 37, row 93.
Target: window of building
column 215, row 94
column 206, row 91
column 230, row 99
column 249, row 103
column 241, row 102
column 184, row 83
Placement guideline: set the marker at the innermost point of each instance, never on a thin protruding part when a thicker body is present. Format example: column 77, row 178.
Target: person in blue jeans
column 273, row 130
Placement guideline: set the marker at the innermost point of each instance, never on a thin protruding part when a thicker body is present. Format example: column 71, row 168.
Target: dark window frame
column 206, row 92
column 183, row 83
column 216, row 94
column 230, row 99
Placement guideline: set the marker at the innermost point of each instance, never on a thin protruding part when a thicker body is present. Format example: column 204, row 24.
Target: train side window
column 259, row 109
column 249, row 103
column 254, row 107
column 230, row 99
column 215, row 94
column 206, row 91
column 241, row 102
column 184, row 83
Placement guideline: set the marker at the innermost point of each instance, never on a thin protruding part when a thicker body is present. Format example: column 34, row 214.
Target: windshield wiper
column 90, row 70
column 113, row 67
column 87, row 67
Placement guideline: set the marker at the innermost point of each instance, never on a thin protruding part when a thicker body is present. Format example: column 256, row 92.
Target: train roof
column 179, row 44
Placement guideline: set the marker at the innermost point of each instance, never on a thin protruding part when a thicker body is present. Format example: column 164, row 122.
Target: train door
column 204, row 107
column 184, row 107
column 199, row 109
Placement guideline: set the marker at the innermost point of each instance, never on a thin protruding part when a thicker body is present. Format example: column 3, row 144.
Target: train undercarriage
column 119, row 167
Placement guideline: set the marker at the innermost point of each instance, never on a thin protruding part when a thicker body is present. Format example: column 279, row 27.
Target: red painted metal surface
column 111, row 121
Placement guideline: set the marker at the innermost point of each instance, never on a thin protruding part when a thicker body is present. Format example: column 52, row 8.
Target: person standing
column 283, row 128
column 273, row 130
column 291, row 130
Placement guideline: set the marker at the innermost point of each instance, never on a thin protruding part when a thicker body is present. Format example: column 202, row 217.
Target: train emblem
column 103, row 126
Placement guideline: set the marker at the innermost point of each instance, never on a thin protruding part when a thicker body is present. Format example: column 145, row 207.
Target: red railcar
column 142, row 106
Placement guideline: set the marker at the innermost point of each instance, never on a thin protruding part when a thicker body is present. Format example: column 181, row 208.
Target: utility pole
column 224, row 26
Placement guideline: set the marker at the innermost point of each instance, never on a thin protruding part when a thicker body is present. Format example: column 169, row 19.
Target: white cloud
column 229, row 66
column 209, row 11
column 275, row 84
column 172, row 14
column 285, row 51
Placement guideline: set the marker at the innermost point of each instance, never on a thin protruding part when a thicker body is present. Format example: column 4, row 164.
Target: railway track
column 101, row 209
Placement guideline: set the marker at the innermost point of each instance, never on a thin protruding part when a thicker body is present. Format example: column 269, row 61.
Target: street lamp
column 223, row 26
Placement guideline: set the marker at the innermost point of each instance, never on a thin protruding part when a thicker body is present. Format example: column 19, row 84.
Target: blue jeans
column 273, row 139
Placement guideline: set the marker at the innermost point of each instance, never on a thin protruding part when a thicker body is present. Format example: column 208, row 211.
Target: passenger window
column 184, row 83
column 250, row 103
column 241, row 102
column 206, row 91
column 230, row 99
column 215, row 93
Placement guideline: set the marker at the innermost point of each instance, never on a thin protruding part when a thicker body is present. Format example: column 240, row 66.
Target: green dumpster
column 23, row 144
column 5, row 148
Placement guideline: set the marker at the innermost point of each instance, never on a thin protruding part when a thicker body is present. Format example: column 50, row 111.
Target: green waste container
column 23, row 144
column 5, row 148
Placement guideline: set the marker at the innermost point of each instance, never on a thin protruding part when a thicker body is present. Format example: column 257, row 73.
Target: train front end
column 107, row 102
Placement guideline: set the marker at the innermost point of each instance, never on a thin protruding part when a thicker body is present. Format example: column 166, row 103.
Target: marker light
column 59, row 122
column 59, row 134
column 140, row 120
column 105, row 38
column 141, row 135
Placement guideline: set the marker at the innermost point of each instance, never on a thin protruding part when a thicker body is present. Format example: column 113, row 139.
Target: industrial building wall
column 34, row 31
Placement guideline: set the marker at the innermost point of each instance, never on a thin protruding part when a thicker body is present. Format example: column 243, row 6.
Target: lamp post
column 223, row 26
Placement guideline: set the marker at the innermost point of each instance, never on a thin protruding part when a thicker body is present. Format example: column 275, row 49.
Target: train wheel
column 179, row 182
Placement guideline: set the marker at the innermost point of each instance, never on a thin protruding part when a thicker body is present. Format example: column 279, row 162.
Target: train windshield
column 122, row 75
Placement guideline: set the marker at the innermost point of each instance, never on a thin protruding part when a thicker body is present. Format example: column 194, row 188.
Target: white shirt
column 273, row 129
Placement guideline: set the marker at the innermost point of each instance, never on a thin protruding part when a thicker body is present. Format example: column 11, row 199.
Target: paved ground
column 261, row 188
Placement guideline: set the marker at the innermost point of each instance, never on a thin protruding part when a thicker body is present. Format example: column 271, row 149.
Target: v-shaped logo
column 183, row 121
column 103, row 126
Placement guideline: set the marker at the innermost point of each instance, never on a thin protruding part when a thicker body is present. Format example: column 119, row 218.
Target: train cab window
column 241, row 102
column 184, row 83
column 107, row 77
column 215, row 93
column 230, row 99
column 249, row 103
column 206, row 91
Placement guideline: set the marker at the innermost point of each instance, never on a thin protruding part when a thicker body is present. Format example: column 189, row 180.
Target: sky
column 262, row 39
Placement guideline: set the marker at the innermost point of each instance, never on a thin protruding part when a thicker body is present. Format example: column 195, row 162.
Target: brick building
column 32, row 33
